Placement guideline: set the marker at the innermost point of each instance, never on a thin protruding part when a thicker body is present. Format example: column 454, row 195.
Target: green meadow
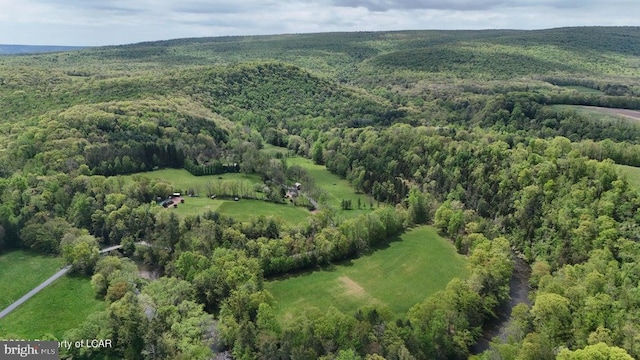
column 594, row 113
column 336, row 188
column 633, row 175
column 246, row 209
column 583, row 89
column 183, row 180
column 61, row 306
column 21, row 271
column 412, row 267
column 242, row 210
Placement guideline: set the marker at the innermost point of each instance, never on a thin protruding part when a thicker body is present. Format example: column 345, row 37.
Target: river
column 519, row 292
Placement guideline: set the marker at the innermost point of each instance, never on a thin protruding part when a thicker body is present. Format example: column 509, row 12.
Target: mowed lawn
column 61, row 306
column 633, row 175
column 584, row 90
column 21, row 271
column 197, row 206
column 398, row 276
column 244, row 210
column 184, row 180
column 336, row 188
column 599, row 113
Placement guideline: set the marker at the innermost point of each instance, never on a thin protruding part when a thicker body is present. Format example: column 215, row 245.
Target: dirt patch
column 352, row 288
column 629, row 114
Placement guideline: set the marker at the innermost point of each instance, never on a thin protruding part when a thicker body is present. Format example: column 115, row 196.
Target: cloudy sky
column 106, row 22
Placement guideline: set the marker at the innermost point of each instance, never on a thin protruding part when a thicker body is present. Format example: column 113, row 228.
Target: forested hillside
column 489, row 136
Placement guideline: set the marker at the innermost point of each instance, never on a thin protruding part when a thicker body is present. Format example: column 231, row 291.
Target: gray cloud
column 84, row 22
column 457, row 5
column 207, row 7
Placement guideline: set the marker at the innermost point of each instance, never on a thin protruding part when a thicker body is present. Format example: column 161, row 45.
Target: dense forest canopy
column 489, row 136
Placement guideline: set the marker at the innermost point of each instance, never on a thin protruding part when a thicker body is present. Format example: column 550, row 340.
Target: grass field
column 336, row 188
column 600, row 113
column 241, row 210
column 63, row 305
column 584, row 90
column 183, row 180
column 244, row 209
column 633, row 175
column 410, row 269
column 197, row 205
column 21, row 271
column 272, row 150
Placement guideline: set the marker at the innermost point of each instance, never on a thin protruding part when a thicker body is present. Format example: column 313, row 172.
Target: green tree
column 81, row 252
column 598, row 351
column 418, row 207
column 551, row 317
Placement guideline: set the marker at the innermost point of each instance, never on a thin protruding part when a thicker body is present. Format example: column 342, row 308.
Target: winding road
column 48, row 282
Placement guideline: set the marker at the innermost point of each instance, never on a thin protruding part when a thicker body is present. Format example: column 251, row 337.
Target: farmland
column 632, row 174
column 240, row 210
column 21, row 271
column 601, row 113
column 412, row 267
column 183, row 180
column 584, row 90
column 63, row 305
column 335, row 188
column 246, row 209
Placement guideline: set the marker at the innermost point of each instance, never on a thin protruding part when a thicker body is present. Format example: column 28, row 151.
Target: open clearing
column 184, row 180
column 241, row 210
column 336, row 188
column 633, row 175
column 63, row 305
column 21, row 271
column 246, row 209
column 583, row 89
column 601, row 113
column 408, row 270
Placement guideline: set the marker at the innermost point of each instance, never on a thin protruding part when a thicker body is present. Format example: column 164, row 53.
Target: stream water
column 148, row 272
column 519, row 292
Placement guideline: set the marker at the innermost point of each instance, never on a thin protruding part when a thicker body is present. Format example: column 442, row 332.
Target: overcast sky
column 107, row 22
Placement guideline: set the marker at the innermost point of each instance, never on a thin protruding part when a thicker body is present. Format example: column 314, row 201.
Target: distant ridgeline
column 35, row 49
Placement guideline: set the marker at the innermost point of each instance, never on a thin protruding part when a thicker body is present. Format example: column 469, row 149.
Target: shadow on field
column 333, row 266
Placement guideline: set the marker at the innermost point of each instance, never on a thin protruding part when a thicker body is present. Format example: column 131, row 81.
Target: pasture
column 241, row 210
column 601, row 113
column 183, row 180
column 246, row 209
column 21, row 271
column 583, row 89
column 335, row 187
column 61, row 306
column 633, row 175
column 410, row 268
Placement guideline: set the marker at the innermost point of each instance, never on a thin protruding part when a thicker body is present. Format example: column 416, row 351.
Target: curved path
column 48, row 282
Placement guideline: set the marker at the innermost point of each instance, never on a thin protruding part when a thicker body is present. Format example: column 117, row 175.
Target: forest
column 484, row 136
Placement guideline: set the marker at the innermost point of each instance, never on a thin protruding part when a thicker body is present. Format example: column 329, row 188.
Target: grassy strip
column 633, row 175
column 584, row 90
column 245, row 209
column 63, row 305
column 409, row 269
column 183, row 180
column 593, row 113
column 337, row 189
column 21, row 271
